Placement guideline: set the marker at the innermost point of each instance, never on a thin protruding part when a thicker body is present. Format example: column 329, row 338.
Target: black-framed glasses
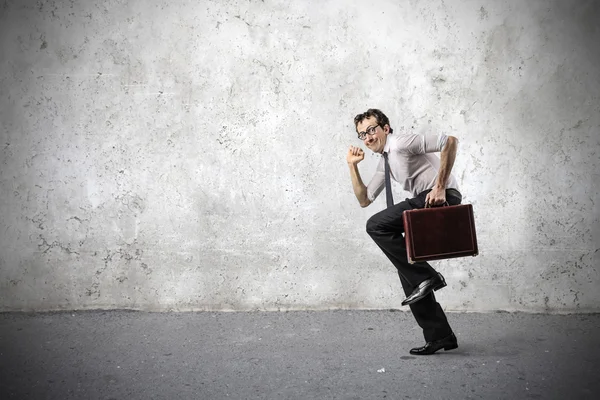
column 369, row 131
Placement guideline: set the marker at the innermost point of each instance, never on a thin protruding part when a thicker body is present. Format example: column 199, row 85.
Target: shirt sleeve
column 377, row 182
column 421, row 144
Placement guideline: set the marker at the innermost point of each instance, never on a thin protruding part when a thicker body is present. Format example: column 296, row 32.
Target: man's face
column 378, row 135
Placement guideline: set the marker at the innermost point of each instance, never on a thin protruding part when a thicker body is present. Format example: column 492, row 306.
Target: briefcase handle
column 443, row 205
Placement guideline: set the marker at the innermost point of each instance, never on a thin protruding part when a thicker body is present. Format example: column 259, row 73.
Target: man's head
column 373, row 127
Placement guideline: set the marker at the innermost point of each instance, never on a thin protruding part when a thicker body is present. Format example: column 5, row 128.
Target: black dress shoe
column 424, row 288
column 447, row 343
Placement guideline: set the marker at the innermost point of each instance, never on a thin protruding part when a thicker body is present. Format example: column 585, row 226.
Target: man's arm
column 354, row 156
column 437, row 196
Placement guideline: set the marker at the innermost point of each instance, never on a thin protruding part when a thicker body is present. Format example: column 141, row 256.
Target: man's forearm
column 447, row 162
column 360, row 190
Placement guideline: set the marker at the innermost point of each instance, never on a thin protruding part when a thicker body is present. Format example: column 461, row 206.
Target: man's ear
column 386, row 129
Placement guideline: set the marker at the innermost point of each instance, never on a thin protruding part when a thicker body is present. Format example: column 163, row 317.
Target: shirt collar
column 387, row 147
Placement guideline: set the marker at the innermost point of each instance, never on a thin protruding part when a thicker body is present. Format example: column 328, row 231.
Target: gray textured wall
column 191, row 154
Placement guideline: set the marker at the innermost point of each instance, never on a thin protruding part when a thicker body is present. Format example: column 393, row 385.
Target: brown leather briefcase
column 440, row 232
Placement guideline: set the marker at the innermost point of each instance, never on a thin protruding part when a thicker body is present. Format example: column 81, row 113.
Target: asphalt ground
column 294, row 355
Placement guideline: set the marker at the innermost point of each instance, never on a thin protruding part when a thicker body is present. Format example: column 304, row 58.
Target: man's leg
column 386, row 228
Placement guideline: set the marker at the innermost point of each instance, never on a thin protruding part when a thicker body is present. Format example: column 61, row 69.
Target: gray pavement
column 294, row 355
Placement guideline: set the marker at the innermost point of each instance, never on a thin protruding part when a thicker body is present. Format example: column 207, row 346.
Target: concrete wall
column 190, row 155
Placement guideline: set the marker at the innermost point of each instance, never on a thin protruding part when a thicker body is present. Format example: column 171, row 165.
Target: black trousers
column 386, row 229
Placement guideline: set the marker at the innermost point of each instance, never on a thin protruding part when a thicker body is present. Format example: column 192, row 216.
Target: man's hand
column 436, row 197
column 355, row 155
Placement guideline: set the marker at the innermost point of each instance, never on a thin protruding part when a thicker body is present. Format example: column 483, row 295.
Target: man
column 409, row 160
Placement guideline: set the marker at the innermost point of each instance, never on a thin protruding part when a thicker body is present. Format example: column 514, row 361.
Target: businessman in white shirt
column 408, row 159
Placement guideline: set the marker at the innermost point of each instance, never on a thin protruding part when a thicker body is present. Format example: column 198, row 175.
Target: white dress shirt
column 412, row 163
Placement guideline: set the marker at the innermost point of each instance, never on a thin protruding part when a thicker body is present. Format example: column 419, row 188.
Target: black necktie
column 388, row 183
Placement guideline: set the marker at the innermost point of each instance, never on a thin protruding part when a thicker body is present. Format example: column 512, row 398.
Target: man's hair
column 381, row 118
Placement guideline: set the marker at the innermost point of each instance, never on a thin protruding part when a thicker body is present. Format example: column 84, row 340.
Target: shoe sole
column 451, row 347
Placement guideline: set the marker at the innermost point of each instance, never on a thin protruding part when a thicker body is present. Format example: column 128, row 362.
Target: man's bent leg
column 386, row 229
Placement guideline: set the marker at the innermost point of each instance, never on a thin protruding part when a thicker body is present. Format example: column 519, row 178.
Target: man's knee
column 383, row 223
column 373, row 225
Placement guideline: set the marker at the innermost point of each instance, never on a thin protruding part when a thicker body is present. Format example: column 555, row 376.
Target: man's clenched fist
column 355, row 155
